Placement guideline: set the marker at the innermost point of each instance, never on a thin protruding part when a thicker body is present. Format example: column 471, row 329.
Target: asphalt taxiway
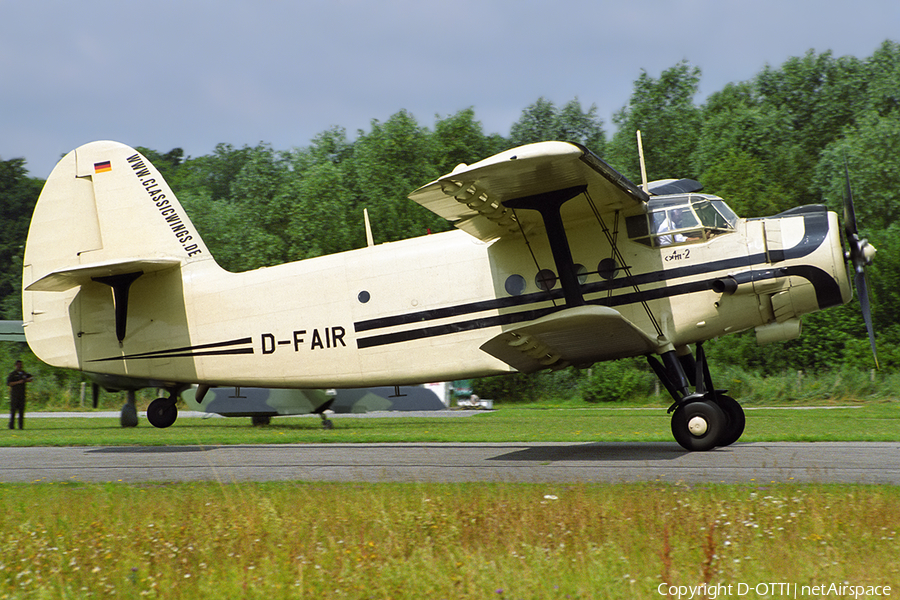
column 763, row 462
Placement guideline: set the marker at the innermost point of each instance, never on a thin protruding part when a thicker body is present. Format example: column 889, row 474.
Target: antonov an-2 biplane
column 557, row 260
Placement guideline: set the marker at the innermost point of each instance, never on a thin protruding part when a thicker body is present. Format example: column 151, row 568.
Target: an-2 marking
column 679, row 255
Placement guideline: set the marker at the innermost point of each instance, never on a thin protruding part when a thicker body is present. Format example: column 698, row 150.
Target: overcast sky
column 191, row 74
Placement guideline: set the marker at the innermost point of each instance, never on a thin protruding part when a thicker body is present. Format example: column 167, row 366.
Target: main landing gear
column 162, row 412
column 706, row 417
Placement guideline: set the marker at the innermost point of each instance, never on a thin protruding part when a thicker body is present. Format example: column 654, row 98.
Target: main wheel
column 698, row 426
column 162, row 412
column 734, row 420
column 128, row 417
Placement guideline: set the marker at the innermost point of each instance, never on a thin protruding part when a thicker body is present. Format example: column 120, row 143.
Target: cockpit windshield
column 686, row 219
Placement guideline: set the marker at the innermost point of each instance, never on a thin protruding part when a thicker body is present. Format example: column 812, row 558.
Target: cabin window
column 681, row 220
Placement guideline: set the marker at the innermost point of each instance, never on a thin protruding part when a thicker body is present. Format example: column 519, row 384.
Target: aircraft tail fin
column 104, row 203
column 105, row 217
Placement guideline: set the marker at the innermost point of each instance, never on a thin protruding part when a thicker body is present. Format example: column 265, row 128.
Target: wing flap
column 575, row 336
column 473, row 196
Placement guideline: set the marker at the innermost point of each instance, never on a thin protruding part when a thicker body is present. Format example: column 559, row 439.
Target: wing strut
column 548, row 204
column 618, row 257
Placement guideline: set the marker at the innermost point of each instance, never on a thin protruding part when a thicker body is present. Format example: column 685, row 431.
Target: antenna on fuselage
column 643, row 165
column 369, row 240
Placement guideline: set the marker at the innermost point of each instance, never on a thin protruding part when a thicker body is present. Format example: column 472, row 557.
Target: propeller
column 860, row 256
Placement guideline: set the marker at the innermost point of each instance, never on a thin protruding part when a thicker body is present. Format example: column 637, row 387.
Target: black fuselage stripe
column 526, row 315
column 213, row 349
column 816, row 231
column 827, row 293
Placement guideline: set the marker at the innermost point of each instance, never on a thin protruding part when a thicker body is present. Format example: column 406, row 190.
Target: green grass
column 872, row 421
column 455, row 541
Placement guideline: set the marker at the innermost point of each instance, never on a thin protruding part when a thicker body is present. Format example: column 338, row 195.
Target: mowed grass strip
column 873, row 421
column 454, row 541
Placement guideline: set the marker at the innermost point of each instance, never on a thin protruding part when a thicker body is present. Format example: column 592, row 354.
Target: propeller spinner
column 860, row 256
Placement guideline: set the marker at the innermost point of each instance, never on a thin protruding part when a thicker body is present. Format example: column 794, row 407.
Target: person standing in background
column 16, row 382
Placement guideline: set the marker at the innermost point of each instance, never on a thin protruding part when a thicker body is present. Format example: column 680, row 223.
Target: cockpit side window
column 681, row 220
column 726, row 213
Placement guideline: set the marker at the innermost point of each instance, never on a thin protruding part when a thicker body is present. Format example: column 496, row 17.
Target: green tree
column 884, row 288
column 325, row 203
column 319, row 221
column 537, row 124
column 236, row 199
column 543, row 121
column 575, row 125
column 882, row 74
column 168, row 164
column 816, row 97
column 18, row 195
column 259, row 190
column 458, row 139
column 215, row 173
column 740, row 179
column 739, row 137
column 664, row 111
column 330, row 146
column 388, row 163
column 870, row 147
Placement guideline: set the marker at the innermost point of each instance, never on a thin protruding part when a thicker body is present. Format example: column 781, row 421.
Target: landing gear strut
column 706, row 417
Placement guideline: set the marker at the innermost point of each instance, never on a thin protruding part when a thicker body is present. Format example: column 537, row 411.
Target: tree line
column 778, row 140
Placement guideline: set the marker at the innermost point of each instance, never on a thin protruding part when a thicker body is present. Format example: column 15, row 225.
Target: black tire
column 707, row 421
column 128, row 417
column 734, row 420
column 162, row 412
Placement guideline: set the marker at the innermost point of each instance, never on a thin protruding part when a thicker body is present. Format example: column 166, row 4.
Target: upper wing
column 472, row 196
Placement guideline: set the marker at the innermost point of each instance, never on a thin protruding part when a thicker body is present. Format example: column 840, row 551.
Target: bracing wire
column 612, row 239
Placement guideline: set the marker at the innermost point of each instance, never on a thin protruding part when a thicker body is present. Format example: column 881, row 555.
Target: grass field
column 302, row 540
column 453, row 541
column 872, row 421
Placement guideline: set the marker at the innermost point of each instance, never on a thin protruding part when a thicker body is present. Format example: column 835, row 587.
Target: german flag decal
column 102, row 167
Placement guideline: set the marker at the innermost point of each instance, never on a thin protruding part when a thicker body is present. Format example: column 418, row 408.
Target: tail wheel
column 698, row 426
column 162, row 412
column 734, row 419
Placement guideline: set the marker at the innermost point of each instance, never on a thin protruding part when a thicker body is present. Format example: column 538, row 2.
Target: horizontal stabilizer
column 62, row 280
column 575, row 336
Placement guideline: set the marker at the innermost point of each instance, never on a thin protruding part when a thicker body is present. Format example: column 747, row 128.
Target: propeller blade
column 862, row 290
column 860, row 255
column 849, row 212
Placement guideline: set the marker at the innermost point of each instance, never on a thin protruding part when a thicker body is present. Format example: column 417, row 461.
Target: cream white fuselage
column 418, row 310
column 405, row 312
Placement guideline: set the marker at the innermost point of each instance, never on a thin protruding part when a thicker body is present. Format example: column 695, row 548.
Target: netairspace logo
column 773, row 590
